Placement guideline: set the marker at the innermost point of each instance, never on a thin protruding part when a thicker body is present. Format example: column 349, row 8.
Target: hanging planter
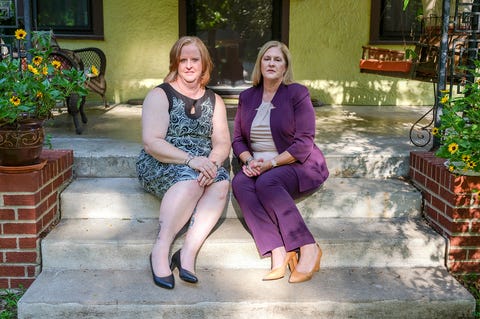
column 385, row 62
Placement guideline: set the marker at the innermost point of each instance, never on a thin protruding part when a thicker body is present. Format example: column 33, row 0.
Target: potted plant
column 31, row 86
column 459, row 129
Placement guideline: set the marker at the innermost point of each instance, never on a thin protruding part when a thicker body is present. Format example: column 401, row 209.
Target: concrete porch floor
column 340, row 129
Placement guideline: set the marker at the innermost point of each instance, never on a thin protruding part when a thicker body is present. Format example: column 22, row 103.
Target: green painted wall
column 138, row 37
column 326, row 39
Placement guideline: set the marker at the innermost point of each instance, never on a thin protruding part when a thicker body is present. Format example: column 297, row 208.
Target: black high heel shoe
column 167, row 282
column 184, row 274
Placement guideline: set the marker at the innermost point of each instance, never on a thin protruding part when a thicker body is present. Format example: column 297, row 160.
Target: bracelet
column 249, row 160
column 188, row 159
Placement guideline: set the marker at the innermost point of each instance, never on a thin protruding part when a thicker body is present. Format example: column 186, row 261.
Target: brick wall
column 452, row 207
column 29, row 208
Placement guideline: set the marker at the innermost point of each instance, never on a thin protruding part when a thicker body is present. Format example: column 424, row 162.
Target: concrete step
column 101, row 157
column 347, row 242
column 335, row 293
column 339, row 197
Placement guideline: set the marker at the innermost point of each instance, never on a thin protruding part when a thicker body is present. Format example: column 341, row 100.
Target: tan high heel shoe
column 297, row 276
column 291, row 261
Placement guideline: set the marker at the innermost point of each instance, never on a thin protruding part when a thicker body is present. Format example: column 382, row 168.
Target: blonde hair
column 207, row 64
column 257, row 70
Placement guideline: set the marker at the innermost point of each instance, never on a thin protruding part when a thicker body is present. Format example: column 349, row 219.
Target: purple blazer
column 292, row 122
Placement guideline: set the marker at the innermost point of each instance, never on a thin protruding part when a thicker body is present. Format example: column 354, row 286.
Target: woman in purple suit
column 274, row 139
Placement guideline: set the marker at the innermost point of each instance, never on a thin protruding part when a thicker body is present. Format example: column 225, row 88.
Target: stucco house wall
column 326, row 39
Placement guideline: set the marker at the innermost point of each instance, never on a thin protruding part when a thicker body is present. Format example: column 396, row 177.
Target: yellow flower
column 451, row 168
column 45, row 70
column 15, row 100
column 452, row 148
column 20, row 34
column 471, row 165
column 37, row 60
column 444, row 99
column 435, row 131
column 39, row 95
column 465, row 158
column 94, row 70
column 56, row 64
column 32, row 69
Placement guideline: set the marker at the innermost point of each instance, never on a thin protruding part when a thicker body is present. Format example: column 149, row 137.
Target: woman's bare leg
column 209, row 209
column 308, row 256
column 278, row 257
column 176, row 209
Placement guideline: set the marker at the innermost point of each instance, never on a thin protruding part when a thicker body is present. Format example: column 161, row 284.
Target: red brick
column 438, row 204
column 21, row 199
column 17, row 282
column 465, row 200
column 475, row 227
column 31, row 271
column 433, row 186
column 453, row 227
column 28, row 214
column 448, row 195
column 19, row 228
column 49, row 218
column 457, row 254
column 464, row 267
column 7, row 214
column 68, row 175
column 474, row 254
column 46, row 191
column 28, row 243
column 27, row 182
column 21, row 257
column 4, row 283
column 462, row 213
column 431, row 212
column 12, row 271
column 427, row 196
column 466, row 184
column 52, row 199
column 420, row 179
column 462, row 241
column 8, row 243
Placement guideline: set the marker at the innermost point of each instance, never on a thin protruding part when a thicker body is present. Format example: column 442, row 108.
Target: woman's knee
column 221, row 188
column 190, row 188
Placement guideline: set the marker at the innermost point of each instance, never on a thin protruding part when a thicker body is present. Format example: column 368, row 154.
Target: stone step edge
column 333, row 293
column 118, row 244
column 338, row 197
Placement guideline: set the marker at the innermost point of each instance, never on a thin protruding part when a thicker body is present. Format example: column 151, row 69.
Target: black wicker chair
column 68, row 60
column 95, row 57
column 83, row 59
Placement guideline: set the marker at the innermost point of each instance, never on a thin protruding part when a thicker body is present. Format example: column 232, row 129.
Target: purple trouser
column 268, row 206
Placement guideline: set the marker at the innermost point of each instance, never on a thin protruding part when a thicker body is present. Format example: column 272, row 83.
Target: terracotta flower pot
column 21, row 144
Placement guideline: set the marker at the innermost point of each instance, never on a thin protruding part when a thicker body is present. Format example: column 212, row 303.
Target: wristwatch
column 274, row 162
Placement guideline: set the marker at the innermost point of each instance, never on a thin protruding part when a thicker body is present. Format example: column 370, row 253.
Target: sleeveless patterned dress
column 189, row 132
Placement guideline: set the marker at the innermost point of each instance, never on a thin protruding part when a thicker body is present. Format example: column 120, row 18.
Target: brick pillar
column 29, row 208
column 452, row 207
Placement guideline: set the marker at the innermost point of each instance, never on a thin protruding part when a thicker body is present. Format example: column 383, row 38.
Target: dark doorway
column 233, row 31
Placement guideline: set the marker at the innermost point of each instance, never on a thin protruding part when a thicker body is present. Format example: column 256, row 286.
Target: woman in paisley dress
column 185, row 142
